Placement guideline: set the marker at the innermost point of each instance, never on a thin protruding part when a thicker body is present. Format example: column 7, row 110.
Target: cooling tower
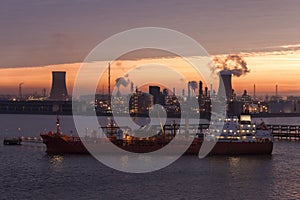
column 58, row 89
column 225, row 87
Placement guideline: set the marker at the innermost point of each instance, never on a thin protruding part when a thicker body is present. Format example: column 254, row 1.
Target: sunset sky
column 37, row 37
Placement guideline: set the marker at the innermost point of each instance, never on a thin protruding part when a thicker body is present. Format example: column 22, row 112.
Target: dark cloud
column 59, row 31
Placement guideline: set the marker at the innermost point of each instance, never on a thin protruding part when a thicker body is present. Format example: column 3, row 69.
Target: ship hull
column 59, row 145
column 242, row 148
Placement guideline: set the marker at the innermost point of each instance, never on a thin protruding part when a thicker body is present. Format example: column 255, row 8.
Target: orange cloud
column 267, row 70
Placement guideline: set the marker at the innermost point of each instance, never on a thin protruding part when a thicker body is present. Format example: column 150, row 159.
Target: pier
column 31, row 139
column 279, row 132
column 285, row 132
column 22, row 140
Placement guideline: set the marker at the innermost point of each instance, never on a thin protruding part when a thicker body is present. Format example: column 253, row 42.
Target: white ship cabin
column 246, row 128
column 238, row 130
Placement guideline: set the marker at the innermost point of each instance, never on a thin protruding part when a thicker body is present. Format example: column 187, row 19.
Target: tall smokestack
column 254, row 92
column 200, row 89
column 276, row 90
column 131, row 87
column 20, row 90
column 225, row 87
column 189, row 89
column 59, row 88
column 206, row 91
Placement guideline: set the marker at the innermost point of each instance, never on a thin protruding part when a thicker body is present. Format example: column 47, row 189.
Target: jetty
column 21, row 140
column 285, row 132
column 12, row 141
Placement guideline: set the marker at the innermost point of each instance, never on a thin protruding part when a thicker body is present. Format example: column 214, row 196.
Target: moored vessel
column 238, row 136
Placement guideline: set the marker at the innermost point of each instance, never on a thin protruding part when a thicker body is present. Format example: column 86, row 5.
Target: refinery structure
column 59, row 100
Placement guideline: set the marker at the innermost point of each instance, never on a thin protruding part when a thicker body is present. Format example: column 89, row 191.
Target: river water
column 27, row 172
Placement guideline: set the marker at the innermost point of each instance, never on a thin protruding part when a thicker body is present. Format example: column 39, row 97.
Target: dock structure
column 12, row 141
column 285, row 132
column 279, row 132
column 21, row 140
column 31, row 139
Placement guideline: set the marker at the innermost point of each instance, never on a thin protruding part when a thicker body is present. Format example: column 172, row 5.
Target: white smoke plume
column 193, row 85
column 121, row 81
column 233, row 63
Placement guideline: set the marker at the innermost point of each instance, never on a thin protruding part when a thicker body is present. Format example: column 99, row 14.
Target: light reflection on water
column 24, row 168
column 57, row 162
column 27, row 172
column 234, row 161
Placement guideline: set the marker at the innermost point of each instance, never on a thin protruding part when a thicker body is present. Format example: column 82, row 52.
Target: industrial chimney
column 189, row 90
column 58, row 89
column 225, row 87
column 200, row 89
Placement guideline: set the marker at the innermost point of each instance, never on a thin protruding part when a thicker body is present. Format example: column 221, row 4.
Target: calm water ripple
column 27, row 172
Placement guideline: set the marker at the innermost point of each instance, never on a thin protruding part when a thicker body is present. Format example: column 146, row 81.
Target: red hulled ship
column 237, row 137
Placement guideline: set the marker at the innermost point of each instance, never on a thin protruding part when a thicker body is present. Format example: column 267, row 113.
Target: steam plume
column 194, row 85
column 121, row 81
column 233, row 63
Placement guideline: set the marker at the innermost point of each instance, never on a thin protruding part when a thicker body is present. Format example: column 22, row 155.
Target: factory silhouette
column 60, row 102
